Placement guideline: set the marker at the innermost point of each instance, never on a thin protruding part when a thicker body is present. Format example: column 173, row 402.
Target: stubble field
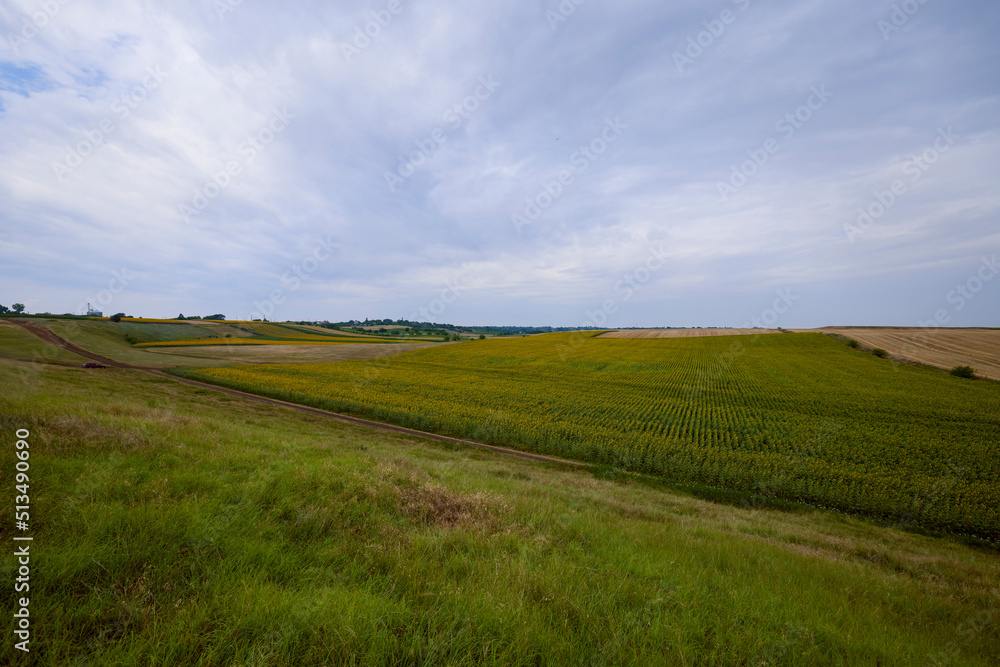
column 944, row 348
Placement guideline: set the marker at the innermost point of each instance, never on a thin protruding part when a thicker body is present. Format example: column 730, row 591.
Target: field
column 282, row 354
column 685, row 333
column 945, row 348
column 298, row 340
column 800, row 417
column 176, row 525
column 264, row 333
column 109, row 339
column 145, row 332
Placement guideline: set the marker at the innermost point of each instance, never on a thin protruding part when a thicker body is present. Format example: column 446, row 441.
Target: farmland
column 685, row 333
column 945, row 348
column 298, row 340
column 111, row 340
column 800, row 417
column 264, row 333
column 183, row 526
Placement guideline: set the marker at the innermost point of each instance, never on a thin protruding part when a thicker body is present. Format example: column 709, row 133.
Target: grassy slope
column 16, row 343
column 106, row 338
column 284, row 354
column 174, row 525
column 145, row 332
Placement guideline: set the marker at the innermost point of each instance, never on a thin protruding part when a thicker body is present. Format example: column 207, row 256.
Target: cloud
column 144, row 135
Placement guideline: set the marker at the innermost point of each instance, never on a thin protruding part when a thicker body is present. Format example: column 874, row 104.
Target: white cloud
column 323, row 174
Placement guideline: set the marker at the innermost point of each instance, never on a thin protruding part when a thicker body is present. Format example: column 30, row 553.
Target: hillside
column 179, row 525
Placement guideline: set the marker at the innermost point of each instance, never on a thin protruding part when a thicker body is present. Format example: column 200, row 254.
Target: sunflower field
column 799, row 416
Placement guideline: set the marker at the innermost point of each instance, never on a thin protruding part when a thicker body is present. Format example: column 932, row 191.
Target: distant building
column 93, row 313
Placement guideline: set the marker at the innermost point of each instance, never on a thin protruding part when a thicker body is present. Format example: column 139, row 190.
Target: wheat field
column 945, row 348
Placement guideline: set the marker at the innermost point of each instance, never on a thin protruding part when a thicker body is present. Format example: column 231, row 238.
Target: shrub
column 117, row 317
column 880, row 353
column 853, row 344
column 967, row 372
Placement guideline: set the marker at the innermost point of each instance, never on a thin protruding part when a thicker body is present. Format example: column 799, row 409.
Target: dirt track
column 52, row 338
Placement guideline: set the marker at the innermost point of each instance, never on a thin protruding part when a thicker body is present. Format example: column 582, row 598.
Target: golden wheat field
column 684, row 333
column 945, row 348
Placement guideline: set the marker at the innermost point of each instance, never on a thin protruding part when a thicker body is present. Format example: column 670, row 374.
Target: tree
column 215, row 317
column 180, row 317
column 482, row 336
column 4, row 310
column 117, row 317
column 18, row 308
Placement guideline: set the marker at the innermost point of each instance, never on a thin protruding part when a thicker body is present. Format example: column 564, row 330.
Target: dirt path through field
column 52, row 338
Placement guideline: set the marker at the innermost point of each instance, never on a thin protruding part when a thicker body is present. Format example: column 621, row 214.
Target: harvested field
column 684, row 333
column 943, row 347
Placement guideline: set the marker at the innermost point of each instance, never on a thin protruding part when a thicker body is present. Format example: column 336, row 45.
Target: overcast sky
column 629, row 163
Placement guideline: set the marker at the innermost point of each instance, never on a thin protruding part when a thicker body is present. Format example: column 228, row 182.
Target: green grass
column 149, row 332
column 175, row 525
column 18, row 344
column 798, row 417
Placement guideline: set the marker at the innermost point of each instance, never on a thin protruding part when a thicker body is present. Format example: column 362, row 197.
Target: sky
column 524, row 162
